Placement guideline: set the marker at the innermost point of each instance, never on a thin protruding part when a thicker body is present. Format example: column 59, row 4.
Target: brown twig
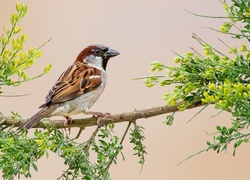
column 13, row 95
column 116, row 118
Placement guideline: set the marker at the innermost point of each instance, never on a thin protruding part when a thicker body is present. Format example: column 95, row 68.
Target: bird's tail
column 34, row 119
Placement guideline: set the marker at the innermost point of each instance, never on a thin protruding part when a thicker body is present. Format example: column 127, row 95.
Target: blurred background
column 142, row 31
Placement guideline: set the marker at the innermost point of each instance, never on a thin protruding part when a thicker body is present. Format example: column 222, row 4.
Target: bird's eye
column 97, row 51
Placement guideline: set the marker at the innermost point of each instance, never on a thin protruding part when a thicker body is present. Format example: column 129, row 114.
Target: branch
column 116, row 118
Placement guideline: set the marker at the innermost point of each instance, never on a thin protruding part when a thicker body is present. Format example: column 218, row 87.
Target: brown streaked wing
column 75, row 81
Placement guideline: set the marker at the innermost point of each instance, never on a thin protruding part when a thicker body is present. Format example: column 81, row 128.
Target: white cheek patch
column 98, row 62
column 94, row 61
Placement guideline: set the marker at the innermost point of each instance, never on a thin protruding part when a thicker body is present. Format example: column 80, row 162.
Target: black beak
column 111, row 53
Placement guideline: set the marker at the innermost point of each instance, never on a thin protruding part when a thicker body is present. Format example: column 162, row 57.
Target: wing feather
column 75, row 81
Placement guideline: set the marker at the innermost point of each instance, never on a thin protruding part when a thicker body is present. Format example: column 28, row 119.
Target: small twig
column 196, row 52
column 177, row 54
column 193, row 35
column 203, row 42
column 63, row 173
column 88, row 143
column 147, row 77
column 44, row 43
column 192, row 156
column 223, row 42
column 216, row 114
column 30, row 79
column 126, row 131
column 79, row 133
column 243, row 34
column 15, row 95
column 197, row 113
column 206, row 16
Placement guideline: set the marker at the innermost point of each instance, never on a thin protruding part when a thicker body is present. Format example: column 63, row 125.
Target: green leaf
column 35, row 167
column 218, row 128
column 238, row 143
column 103, row 142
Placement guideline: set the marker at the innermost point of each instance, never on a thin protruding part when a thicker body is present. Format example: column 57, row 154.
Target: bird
column 78, row 88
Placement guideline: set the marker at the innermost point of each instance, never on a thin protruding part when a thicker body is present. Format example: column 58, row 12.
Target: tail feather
column 34, row 119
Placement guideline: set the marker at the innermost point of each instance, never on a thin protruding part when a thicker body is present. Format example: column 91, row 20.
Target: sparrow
column 78, row 88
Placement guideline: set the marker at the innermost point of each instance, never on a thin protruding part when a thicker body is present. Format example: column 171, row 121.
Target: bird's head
column 96, row 55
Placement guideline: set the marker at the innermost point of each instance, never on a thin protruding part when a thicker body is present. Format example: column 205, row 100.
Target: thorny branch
column 116, row 118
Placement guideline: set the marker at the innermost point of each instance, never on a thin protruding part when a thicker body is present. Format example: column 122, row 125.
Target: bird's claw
column 99, row 116
column 67, row 121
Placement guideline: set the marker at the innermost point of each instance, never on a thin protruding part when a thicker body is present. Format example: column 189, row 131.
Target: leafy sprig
column 237, row 12
column 14, row 60
column 214, row 77
column 137, row 137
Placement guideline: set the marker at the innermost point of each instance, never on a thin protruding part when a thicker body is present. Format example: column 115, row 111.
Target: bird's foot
column 67, row 121
column 99, row 116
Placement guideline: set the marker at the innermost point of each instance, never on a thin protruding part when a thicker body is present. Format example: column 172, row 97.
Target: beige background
column 142, row 31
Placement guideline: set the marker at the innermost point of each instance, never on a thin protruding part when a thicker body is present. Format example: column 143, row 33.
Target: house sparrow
column 78, row 87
